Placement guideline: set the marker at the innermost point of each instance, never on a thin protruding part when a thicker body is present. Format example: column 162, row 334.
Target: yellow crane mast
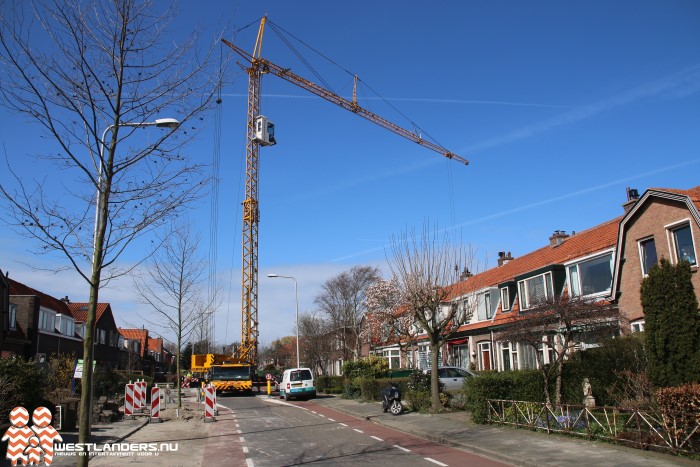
column 261, row 132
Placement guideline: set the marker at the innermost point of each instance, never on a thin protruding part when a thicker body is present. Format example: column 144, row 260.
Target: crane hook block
column 264, row 131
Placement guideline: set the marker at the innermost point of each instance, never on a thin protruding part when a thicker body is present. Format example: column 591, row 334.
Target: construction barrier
column 216, row 406
column 155, row 404
column 209, row 404
column 129, row 401
column 144, row 405
column 137, row 397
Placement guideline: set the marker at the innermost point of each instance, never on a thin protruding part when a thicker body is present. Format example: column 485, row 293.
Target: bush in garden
column 366, row 367
column 680, row 407
column 22, row 383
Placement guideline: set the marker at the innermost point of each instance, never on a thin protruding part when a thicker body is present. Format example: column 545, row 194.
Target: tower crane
column 261, row 132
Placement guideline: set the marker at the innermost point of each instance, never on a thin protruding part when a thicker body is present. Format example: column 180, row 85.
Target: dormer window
column 535, row 289
column 505, row 299
column 591, row 276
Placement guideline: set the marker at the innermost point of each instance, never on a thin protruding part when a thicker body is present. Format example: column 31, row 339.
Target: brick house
column 39, row 325
column 606, row 262
column 662, row 223
column 134, row 351
column 106, row 336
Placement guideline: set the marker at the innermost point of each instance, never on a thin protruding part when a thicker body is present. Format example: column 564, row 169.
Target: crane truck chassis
column 225, row 373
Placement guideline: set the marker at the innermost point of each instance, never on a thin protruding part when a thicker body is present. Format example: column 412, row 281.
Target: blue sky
column 559, row 106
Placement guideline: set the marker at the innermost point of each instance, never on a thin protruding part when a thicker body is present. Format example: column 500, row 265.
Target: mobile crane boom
column 248, row 351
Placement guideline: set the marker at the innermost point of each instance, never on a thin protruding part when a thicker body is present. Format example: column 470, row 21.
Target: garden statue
column 588, row 399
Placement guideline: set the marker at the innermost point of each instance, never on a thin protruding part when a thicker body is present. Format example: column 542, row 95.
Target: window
column 484, row 355
column 683, row 244
column 393, row 357
column 637, row 326
column 546, row 350
column 505, row 299
column 80, row 330
column 535, row 289
column 509, row 356
column 12, row 325
column 47, row 320
column 592, row 276
column 647, row 254
column 487, row 305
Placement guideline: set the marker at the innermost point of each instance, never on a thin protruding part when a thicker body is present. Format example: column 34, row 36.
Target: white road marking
column 331, row 420
column 245, row 449
column 435, row 462
column 378, row 439
column 241, row 439
column 249, row 462
column 402, row 448
column 343, row 424
column 359, row 431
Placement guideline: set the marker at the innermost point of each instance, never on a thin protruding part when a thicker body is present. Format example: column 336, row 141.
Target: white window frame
column 637, row 326
column 508, row 350
column 524, row 294
column 505, row 299
column 47, row 320
column 484, row 347
column 670, row 232
column 642, row 266
column 12, row 318
column 577, row 264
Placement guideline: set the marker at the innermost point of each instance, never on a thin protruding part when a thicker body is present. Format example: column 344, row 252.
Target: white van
column 298, row 383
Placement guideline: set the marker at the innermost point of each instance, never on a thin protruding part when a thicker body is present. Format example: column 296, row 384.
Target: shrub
column 111, row 383
column 370, row 389
column 22, row 383
column 616, row 371
column 680, row 407
column 328, row 384
column 366, row 367
column 523, row 385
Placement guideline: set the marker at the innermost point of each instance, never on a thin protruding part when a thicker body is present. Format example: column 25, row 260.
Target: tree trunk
column 88, row 357
column 434, row 377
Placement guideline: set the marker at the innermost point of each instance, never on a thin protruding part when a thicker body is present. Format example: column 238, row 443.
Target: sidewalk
column 510, row 445
column 513, row 446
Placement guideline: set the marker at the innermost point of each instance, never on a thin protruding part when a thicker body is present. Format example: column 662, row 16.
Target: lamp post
column 296, row 298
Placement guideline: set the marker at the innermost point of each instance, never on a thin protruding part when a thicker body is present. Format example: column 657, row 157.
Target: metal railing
column 642, row 429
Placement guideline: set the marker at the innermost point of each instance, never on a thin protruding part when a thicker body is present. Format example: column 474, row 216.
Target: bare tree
column 342, row 300
column 388, row 320
column 171, row 286
column 553, row 327
column 425, row 269
column 317, row 343
column 81, row 70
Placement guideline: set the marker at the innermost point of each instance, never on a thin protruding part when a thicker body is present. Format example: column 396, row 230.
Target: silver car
column 452, row 377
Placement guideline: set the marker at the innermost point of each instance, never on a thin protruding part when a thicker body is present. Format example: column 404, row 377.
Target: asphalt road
column 277, row 433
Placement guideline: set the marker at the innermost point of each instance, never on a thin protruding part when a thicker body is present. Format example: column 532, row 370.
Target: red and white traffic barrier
column 129, row 401
column 137, row 397
column 144, row 405
column 209, row 403
column 216, row 407
column 155, row 404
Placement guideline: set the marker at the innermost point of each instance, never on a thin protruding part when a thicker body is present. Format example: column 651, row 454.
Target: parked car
column 452, row 377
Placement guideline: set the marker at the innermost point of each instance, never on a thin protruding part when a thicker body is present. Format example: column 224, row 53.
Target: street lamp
column 296, row 297
column 159, row 122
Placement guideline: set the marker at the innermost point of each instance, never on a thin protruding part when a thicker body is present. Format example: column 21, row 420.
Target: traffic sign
column 268, row 376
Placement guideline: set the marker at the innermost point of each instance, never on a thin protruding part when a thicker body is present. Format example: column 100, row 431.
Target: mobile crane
column 260, row 132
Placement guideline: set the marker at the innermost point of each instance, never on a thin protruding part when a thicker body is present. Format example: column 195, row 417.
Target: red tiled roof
column 80, row 311
column 156, row 345
column 583, row 243
column 17, row 288
column 140, row 335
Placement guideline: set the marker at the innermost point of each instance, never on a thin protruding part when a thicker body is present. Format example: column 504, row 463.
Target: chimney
column 558, row 237
column 504, row 258
column 465, row 274
column 65, row 299
column 632, row 197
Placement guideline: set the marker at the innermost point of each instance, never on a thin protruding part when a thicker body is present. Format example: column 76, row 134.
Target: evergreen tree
column 672, row 324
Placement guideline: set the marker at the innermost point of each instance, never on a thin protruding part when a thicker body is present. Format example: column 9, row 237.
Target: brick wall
column 651, row 219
